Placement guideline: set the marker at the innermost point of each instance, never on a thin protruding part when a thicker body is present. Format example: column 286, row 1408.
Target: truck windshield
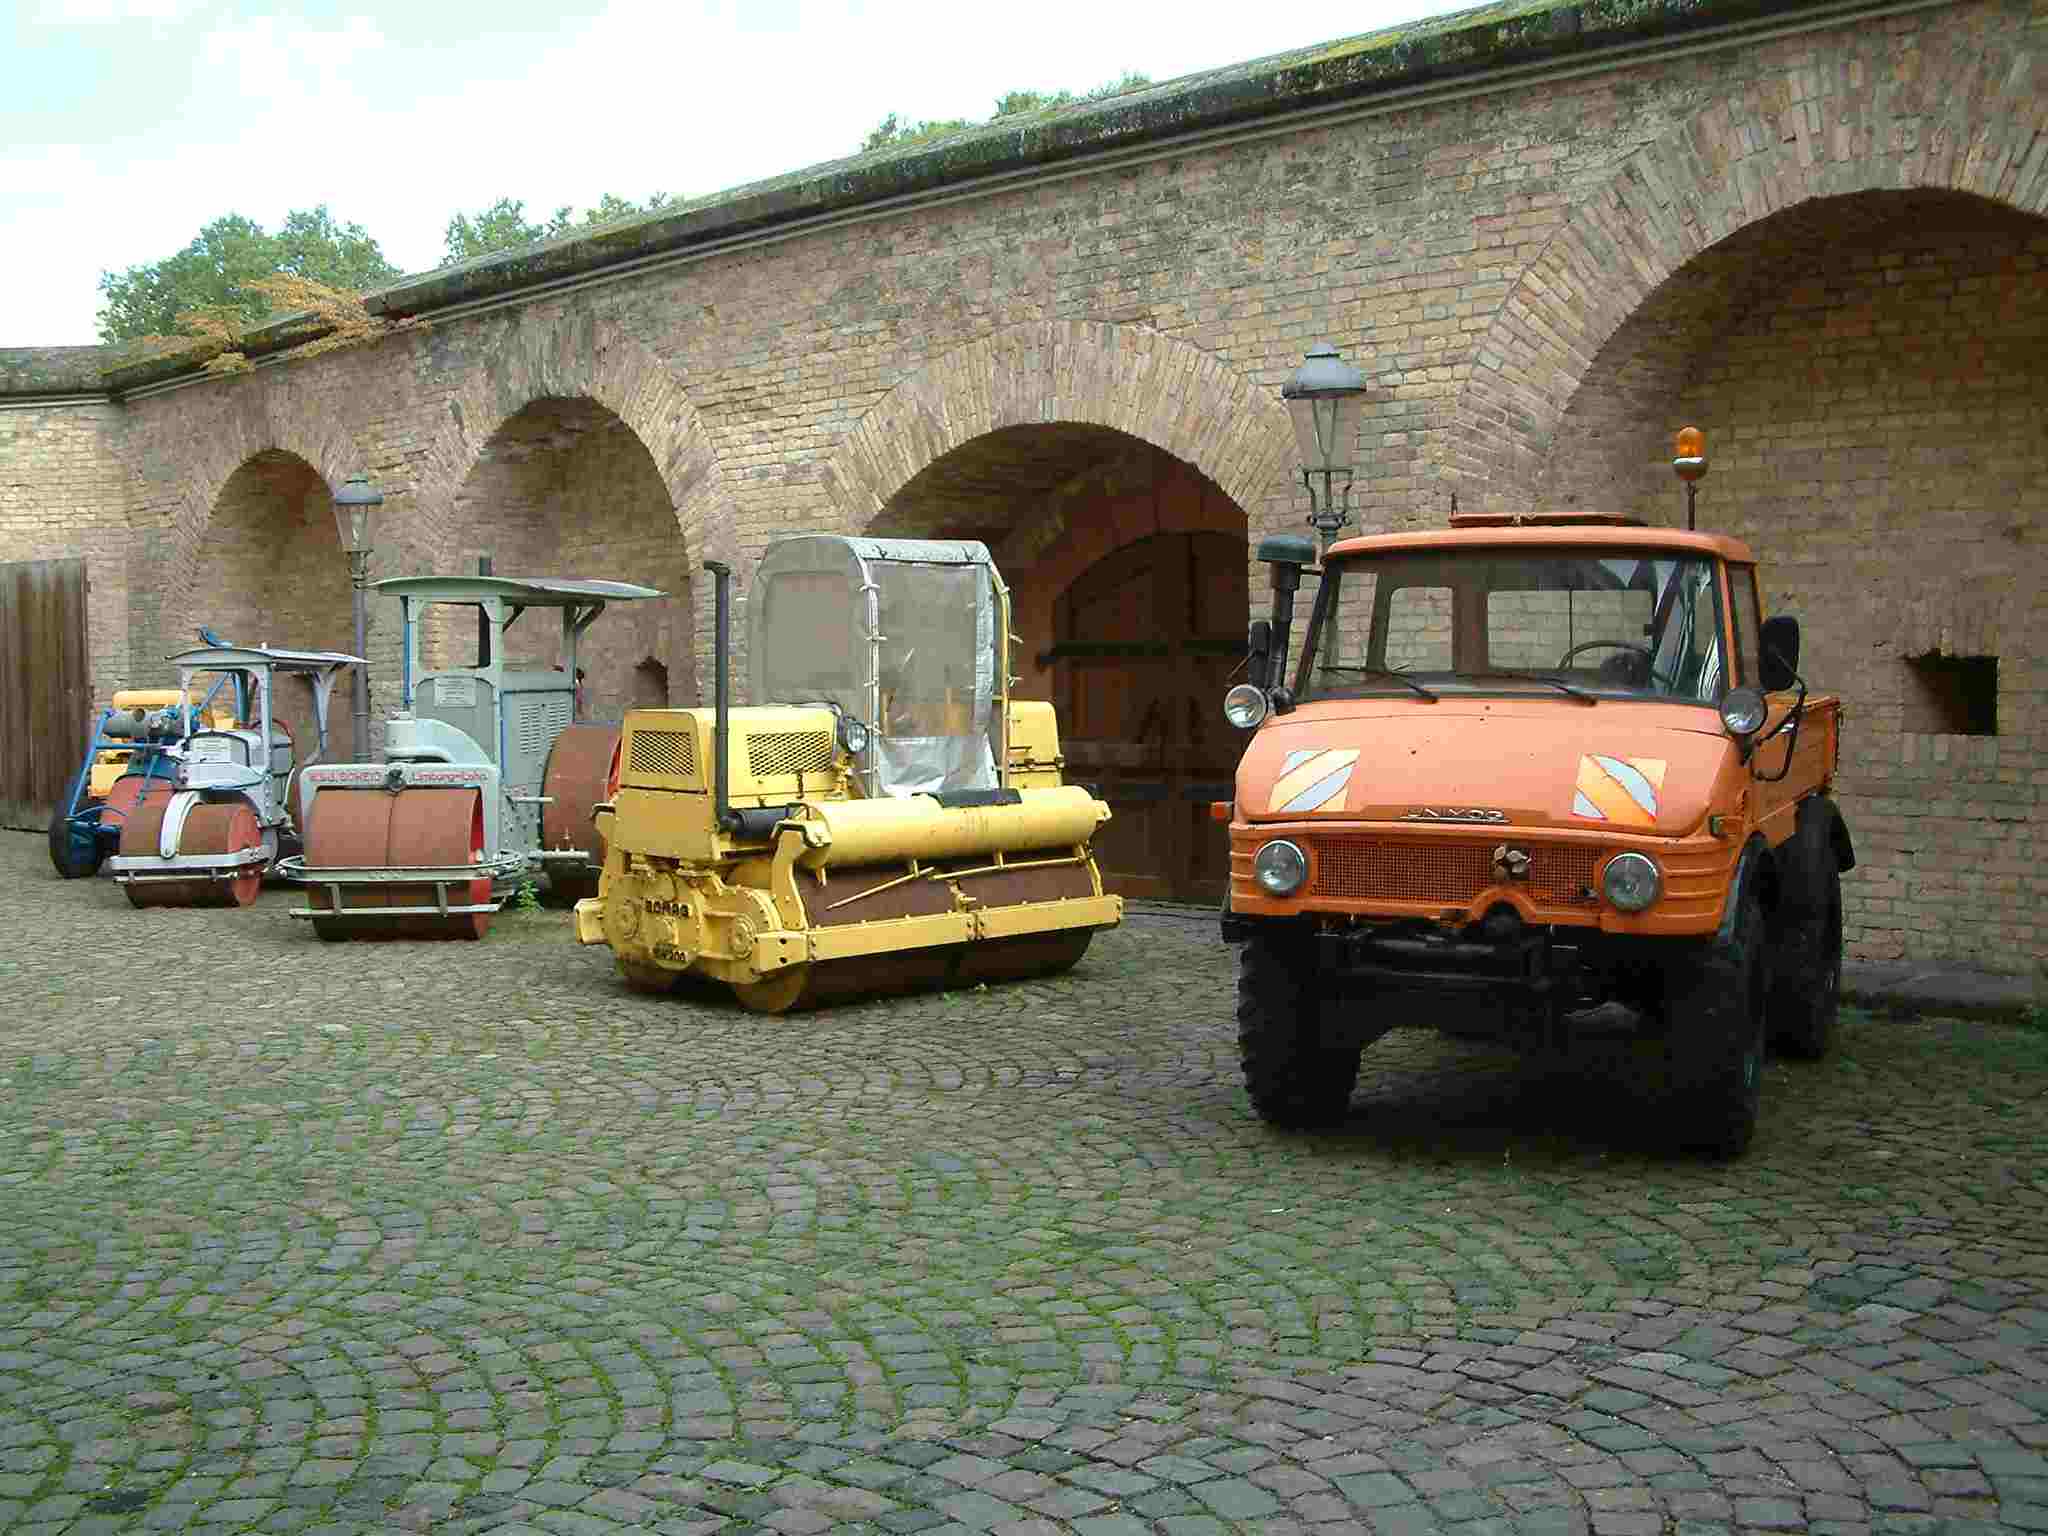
column 1564, row 622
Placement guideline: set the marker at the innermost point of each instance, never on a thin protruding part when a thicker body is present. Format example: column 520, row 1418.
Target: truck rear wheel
column 1294, row 1081
column 1806, row 968
column 1715, row 999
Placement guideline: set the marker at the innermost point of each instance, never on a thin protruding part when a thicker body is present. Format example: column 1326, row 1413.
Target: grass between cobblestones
column 343, row 1238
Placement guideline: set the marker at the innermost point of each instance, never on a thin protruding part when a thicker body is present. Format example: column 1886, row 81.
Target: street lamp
column 1324, row 397
column 353, row 504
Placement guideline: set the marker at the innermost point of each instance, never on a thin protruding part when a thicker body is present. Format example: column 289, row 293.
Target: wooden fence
column 45, row 687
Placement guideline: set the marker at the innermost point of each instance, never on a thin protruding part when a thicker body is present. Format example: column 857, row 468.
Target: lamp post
column 353, row 504
column 1324, row 397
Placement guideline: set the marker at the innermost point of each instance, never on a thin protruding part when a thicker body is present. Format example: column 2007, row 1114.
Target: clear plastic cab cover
column 898, row 633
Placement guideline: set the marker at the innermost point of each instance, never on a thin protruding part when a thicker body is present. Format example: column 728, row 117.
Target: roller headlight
column 1743, row 711
column 1632, row 881
column 853, row 736
column 1245, row 706
column 1280, row 867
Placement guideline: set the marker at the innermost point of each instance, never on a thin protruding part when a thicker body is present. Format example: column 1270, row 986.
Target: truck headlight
column 1632, row 881
column 1743, row 712
column 1245, row 706
column 1280, row 868
column 853, row 736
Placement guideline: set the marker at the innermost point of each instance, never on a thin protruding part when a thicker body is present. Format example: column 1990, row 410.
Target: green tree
column 212, row 272
column 504, row 225
column 894, row 132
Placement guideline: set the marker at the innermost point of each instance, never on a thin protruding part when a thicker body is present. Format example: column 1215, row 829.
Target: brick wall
column 1881, row 444
column 64, row 494
column 1539, row 282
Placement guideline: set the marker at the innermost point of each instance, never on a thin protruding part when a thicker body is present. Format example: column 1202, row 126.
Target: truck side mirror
column 1778, row 645
column 1286, row 553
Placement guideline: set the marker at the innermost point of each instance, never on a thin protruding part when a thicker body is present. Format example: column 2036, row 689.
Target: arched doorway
column 1144, row 643
column 1127, row 573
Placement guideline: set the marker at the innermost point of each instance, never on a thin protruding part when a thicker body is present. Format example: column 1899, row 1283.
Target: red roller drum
column 129, row 791
column 221, row 826
column 582, row 770
column 372, row 828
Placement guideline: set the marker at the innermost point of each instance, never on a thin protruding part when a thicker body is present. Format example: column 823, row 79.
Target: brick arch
column 556, row 352
column 1141, row 382
column 1968, row 114
column 561, row 352
column 244, row 424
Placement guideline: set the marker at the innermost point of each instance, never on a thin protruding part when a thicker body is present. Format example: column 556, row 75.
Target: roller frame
column 440, row 876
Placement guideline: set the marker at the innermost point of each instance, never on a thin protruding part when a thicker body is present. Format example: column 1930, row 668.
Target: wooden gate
column 1145, row 641
column 45, row 687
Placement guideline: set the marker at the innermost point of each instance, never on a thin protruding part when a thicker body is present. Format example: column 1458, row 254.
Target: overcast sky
column 129, row 124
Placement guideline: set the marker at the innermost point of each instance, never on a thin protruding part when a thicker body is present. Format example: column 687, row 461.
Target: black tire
column 1806, row 947
column 1293, row 1081
column 1716, row 1000
column 73, row 857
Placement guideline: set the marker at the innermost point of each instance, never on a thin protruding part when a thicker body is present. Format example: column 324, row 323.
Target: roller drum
column 131, row 790
column 372, row 828
column 214, row 827
column 580, row 771
column 819, row 983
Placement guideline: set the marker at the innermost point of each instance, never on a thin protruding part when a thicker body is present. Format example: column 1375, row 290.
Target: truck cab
column 1519, row 769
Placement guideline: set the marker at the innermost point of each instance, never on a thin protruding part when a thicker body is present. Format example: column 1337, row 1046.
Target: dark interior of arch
column 982, row 488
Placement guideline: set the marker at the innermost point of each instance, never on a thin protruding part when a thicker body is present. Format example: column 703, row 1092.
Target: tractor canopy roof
column 518, row 591
column 249, row 658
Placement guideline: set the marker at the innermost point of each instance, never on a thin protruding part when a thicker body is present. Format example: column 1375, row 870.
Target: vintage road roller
column 200, row 819
column 127, row 759
column 883, row 818
column 487, row 780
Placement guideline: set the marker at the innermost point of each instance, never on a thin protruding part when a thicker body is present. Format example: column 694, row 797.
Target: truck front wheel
column 1294, row 1081
column 1715, row 1001
column 1806, row 976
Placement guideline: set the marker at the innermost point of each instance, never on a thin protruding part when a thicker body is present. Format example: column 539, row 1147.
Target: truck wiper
column 1542, row 677
column 1399, row 677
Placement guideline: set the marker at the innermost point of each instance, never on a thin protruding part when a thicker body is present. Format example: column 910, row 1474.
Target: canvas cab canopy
column 905, row 636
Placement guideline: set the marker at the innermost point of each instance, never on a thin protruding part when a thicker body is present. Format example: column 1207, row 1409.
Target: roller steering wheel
column 1649, row 660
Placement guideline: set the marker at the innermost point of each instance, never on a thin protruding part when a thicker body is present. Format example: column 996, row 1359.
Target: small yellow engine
column 111, row 762
column 899, row 824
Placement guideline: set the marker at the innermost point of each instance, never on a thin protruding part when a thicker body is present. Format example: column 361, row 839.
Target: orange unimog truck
column 1527, row 768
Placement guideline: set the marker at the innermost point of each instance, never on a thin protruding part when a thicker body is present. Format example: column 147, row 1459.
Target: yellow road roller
column 883, row 818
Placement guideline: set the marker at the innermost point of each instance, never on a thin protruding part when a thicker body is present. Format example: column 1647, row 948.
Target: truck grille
column 1444, row 874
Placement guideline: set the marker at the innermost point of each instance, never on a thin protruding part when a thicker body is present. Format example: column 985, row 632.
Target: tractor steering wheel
column 1643, row 651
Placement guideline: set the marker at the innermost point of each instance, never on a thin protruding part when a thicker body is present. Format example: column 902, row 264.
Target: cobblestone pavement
column 299, row 1237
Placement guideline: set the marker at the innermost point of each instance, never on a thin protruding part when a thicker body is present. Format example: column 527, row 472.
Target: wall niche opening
column 1951, row 695
column 650, row 685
